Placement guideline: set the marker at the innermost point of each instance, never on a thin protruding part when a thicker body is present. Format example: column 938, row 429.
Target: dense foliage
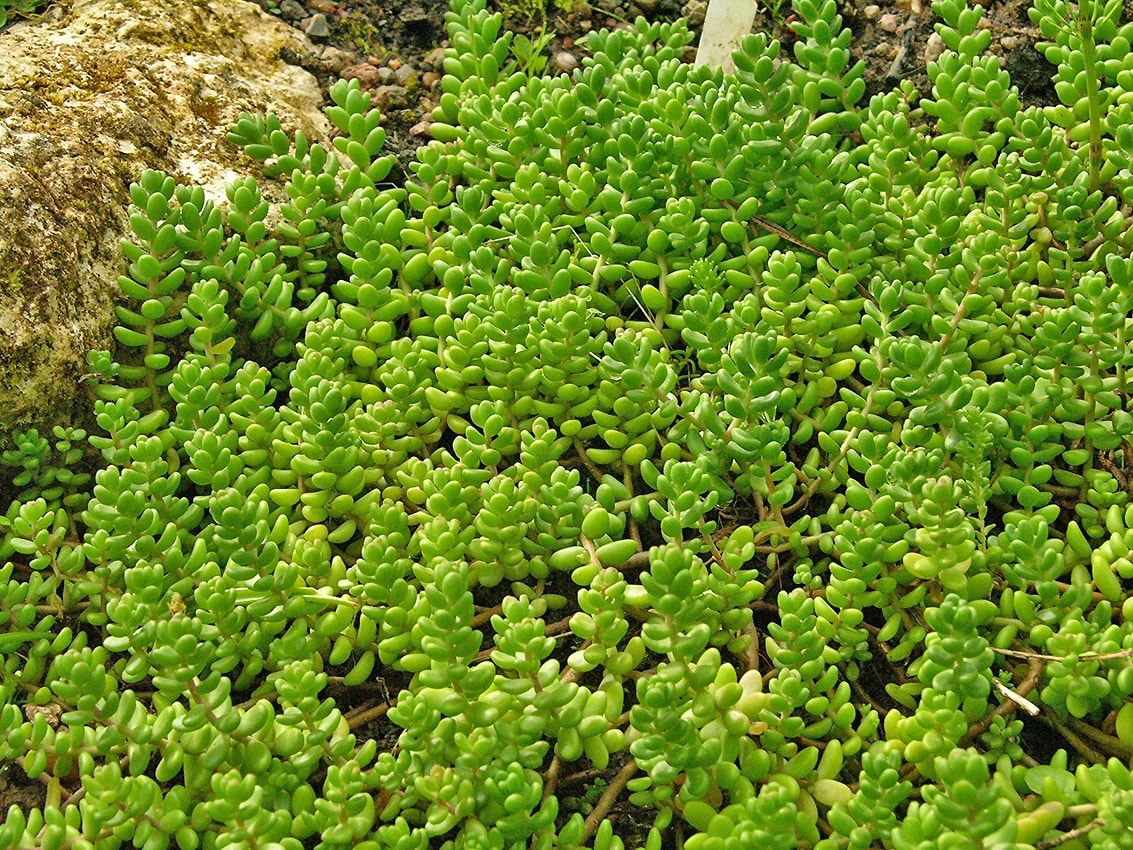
column 677, row 458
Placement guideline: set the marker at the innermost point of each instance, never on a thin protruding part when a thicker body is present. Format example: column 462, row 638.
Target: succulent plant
column 674, row 457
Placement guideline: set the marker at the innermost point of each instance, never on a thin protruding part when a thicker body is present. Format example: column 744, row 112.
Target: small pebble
column 317, row 27
column 327, row 6
column 881, row 48
column 872, row 12
column 385, row 75
column 1009, row 42
column 933, row 48
column 366, row 74
column 421, row 128
column 335, row 60
column 406, row 76
column 889, row 22
column 414, row 14
column 291, row 11
column 430, row 79
column 565, row 61
column 387, row 98
column 694, row 12
column 394, row 64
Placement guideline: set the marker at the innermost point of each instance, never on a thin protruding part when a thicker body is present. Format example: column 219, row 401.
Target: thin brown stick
column 361, row 719
column 551, row 780
column 1114, row 746
column 1079, row 744
column 591, row 467
column 485, row 616
column 615, row 788
column 1085, row 656
column 1071, row 835
column 1034, row 676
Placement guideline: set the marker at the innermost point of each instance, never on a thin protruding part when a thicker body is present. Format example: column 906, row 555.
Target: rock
column 414, row 15
column 387, row 98
column 291, row 11
column 365, row 73
column 87, row 105
column 889, row 22
column 694, row 12
column 872, row 12
column 335, row 60
column 566, row 61
column 933, row 48
column 317, row 27
column 406, row 76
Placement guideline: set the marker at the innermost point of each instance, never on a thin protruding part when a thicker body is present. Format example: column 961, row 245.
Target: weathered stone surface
column 88, row 101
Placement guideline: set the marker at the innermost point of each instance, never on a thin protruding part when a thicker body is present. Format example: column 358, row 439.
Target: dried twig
column 1070, row 836
column 1085, row 656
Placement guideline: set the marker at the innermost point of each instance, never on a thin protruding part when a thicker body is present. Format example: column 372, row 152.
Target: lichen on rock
column 93, row 97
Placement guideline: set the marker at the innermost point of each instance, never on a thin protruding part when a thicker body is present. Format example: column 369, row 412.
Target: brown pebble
column 335, row 60
column 394, row 64
column 872, row 12
column 374, row 60
column 889, row 22
column 1009, row 42
column 366, row 74
column 430, row 79
column 421, row 128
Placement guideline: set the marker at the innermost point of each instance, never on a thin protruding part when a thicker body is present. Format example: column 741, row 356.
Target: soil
column 394, row 46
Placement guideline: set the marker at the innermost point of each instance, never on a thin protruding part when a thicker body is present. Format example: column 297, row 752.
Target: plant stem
column 1071, row 835
column 615, row 788
column 1089, row 55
